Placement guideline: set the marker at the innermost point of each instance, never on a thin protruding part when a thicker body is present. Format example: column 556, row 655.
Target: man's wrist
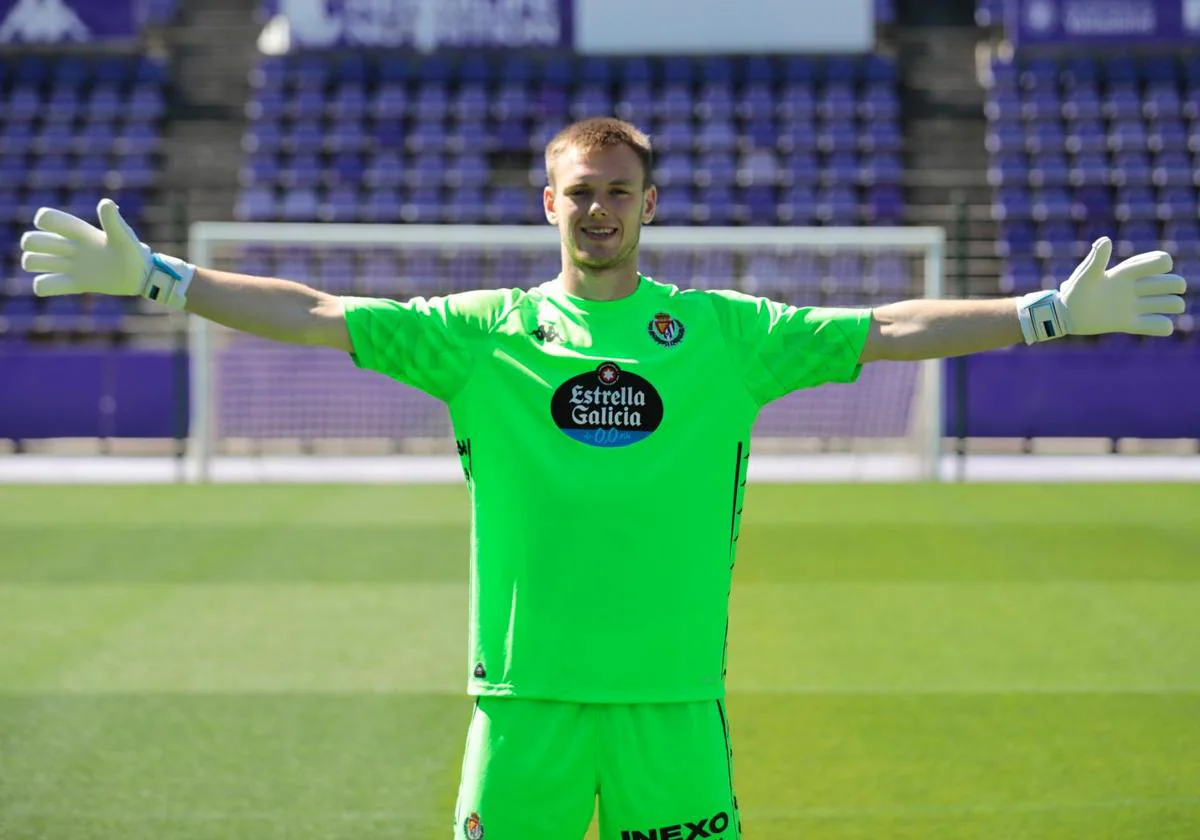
column 1042, row 316
column 167, row 281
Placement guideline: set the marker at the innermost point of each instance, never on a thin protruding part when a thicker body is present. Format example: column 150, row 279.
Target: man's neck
column 610, row 284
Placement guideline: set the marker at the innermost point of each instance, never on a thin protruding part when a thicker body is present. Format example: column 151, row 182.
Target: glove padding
column 1137, row 296
column 71, row 256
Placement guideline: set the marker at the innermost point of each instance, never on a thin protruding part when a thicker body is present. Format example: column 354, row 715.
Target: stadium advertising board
column 1123, row 22
column 705, row 26
column 67, row 21
column 426, row 24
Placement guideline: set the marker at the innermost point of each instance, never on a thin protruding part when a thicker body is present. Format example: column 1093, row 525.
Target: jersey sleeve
column 429, row 343
column 780, row 348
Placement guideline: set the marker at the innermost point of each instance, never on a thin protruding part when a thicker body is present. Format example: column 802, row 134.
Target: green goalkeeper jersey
column 605, row 446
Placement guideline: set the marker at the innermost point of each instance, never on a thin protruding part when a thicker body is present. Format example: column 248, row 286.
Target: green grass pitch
column 907, row 662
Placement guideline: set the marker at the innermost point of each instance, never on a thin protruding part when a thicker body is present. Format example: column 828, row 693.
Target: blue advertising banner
column 426, row 24
column 66, row 21
column 1124, row 22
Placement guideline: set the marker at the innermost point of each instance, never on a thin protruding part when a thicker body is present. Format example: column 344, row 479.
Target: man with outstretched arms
column 603, row 421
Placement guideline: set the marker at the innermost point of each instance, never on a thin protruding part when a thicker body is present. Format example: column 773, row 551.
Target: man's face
column 599, row 202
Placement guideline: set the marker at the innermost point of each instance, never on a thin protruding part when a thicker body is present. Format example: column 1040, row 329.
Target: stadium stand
column 74, row 128
column 764, row 140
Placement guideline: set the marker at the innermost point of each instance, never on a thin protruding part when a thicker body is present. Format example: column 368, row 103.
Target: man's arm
column 1138, row 296
column 280, row 310
column 71, row 256
column 935, row 329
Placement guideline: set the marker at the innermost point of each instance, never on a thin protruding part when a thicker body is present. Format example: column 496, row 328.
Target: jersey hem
column 600, row 698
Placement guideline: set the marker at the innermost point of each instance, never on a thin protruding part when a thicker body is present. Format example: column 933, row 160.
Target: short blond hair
column 601, row 133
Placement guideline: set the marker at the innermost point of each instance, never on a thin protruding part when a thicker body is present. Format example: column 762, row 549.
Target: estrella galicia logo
column 666, row 330
column 607, row 407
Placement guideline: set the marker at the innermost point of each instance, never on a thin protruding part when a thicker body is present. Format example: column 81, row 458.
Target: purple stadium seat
column 673, row 136
column 24, row 104
column 470, row 101
column 1181, row 235
column 1053, row 236
column 837, row 204
column 390, row 101
column 348, row 102
column 1191, row 101
column 1127, row 135
column 881, row 168
column 880, row 137
column 466, row 205
column 302, row 171
column 1177, row 202
column 136, row 138
column 1136, row 236
column 512, row 205
column 1135, row 202
column 1093, row 203
column 16, row 137
column 1015, row 239
column 757, row 102
column 757, row 204
column 337, row 269
column 591, row 101
column 1079, row 71
column 884, row 204
column 308, row 105
column 760, row 133
column 387, row 169
column 427, row 169
column 511, row 101
column 1086, row 136
column 799, row 135
column 1172, row 168
column 837, row 102
column 1043, row 136
column 1052, row 203
column 264, row 137
column 716, row 169
column 550, row 102
column 759, row 69
column 632, row 69
column 255, row 204
column 50, row 172
column 107, row 314
column 716, row 102
column 635, row 103
column 841, row 167
column 674, row 103
column 1041, row 104
column 796, row 102
column 265, row 104
column 344, row 168
column 426, row 136
column 757, row 168
column 1009, row 168
column 1002, row 105
column 91, row 170
column 1161, row 100
column 1166, row 135
column 1005, row 138
column 797, row 205
column 54, row 137
column 299, row 205
column 717, row 205
column 801, row 168
column 343, row 137
column 1130, row 167
column 382, row 204
column 61, row 106
column 379, row 272
column 879, row 103
column 890, row 273
column 843, row 134
column 675, row 206
column 145, row 104
column 339, row 204
column 1082, row 104
column 468, row 169
column 1121, row 102
column 674, row 167
column 1011, row 203
column 716, row 136
column 511, row 135
column 432, row 102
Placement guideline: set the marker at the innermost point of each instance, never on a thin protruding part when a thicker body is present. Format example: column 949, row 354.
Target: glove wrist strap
column 1042, row 317
column 167, row 281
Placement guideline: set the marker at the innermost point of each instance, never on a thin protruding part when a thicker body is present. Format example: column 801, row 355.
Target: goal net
column 262, row 410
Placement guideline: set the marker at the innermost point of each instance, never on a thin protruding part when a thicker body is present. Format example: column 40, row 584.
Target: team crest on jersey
column 472, row 827
column 665, row 329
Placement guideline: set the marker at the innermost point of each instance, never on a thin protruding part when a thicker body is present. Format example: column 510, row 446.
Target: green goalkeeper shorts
column 534, row 770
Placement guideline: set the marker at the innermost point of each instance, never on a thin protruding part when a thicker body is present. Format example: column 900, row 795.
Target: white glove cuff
column 1042, row 316
column 167, row 281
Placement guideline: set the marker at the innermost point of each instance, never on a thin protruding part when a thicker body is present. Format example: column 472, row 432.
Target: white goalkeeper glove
column 1137, row 296
column 71, row 256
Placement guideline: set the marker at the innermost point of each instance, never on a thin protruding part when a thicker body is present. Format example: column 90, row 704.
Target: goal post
column 264, row 410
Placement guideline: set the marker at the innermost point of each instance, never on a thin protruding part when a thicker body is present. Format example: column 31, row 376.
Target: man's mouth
column 600, row 234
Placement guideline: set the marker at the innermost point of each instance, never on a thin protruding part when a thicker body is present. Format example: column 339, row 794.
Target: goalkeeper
column 603, row 421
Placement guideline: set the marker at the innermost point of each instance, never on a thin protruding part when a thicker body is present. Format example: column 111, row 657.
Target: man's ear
column 649, row 204
column 548, row 205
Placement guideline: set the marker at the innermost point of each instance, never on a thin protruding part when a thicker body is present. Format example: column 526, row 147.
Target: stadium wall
column 1041, row 392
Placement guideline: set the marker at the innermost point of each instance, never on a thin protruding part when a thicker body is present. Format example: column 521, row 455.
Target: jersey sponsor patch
column 665, row 329
column 607, row 407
